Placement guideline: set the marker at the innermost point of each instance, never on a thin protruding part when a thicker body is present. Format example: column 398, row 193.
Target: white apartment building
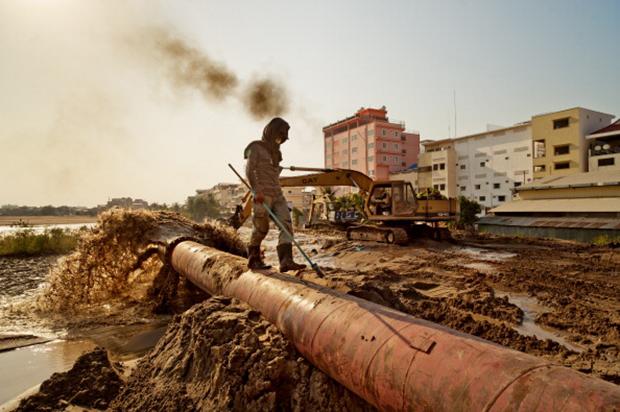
column 491, row 164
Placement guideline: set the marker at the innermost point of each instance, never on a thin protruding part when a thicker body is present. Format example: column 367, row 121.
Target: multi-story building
column 370, row 143
column 436, row 167
column 559, row 140
column 604, row 144
column 491, row 164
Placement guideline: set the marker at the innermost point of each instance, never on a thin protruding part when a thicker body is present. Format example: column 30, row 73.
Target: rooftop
column 587, row 179
column 469, row 136
column 612, row 129
column 576, row 205
column 569, row 109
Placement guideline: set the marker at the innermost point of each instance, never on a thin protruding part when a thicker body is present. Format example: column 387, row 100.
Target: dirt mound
column 116, row 261
column 91, row 383
column 221, row 355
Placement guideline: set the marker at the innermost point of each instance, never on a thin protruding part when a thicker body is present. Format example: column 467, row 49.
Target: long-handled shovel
column 277, row 221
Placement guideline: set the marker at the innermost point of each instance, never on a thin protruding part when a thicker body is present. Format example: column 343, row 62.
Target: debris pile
column 221, row 355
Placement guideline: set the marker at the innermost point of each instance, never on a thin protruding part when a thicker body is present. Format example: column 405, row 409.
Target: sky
column 89, row 110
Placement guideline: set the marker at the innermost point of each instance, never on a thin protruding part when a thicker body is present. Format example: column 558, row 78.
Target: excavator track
column 391, row 235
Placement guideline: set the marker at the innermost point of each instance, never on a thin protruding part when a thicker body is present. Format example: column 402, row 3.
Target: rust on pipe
column 394, row 361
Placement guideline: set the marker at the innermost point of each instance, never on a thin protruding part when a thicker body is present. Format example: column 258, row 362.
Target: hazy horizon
column 94, row 107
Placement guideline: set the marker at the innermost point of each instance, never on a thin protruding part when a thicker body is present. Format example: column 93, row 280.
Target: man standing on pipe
column 263, row 173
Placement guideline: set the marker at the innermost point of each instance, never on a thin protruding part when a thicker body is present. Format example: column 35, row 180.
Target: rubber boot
column 255, row 262
column 285, row 254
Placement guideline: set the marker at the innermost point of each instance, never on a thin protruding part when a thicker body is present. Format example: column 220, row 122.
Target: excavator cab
column 392, row 198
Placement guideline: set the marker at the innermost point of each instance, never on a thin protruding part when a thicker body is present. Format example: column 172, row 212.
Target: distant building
column 489, row 165
column 437, row 167
column 580, row 206
column 370, row 143
column 559, row 140
column 139, row 204
column 227, row 195
column 604, row 148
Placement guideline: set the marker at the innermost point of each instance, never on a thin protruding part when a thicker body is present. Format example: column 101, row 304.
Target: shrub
column 468, row 211
column 29, row 243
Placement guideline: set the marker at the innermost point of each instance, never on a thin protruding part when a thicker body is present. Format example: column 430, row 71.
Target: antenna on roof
column 454, row 96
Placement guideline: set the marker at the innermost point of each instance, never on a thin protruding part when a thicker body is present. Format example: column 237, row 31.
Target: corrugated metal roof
column 584, row 204
column 609, row 130
column 587, row 179
column 555, row 222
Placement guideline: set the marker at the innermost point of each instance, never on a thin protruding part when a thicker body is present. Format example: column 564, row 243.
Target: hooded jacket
column 263, row 159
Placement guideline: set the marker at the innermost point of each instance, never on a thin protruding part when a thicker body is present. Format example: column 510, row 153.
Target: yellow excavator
column 393, row 211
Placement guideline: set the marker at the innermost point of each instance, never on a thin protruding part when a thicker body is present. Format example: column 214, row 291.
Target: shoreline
column 45, row 220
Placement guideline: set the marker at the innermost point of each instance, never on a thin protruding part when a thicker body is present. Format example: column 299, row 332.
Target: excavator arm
column 319, row 177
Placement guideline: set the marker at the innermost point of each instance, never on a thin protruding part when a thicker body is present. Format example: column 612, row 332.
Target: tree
column 468, row 211
column 200, row 207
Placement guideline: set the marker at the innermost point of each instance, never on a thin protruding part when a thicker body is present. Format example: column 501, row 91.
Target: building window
column 442, row 186
column 383, row 132
column 539, row 168
column 372, row 172
column 371, row 145
column 482, row 164
column 403, row 164
column 463, row 188
column 610, row 161
column 404, row 151
column 496, row 185
column 371, row 132
column 396, row 147
column 561, row 150
column 462, row 167
column 561, row 165
column 560, row 123
column 442, row 166
column 371, row 158
column 482, row 198
column 385, row 158
column 539, row 148
column 403, row 137
column 477, row 187
column 517, row 184
column 436, row 187
column 501, row 198
column 395, row 133
column 354, row 150
column 354, row 136
column 345, row 140
column 354, row 161
column 384, row 145
column 435, row 166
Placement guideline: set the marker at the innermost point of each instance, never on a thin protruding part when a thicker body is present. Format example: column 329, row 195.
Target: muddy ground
column 554, row 299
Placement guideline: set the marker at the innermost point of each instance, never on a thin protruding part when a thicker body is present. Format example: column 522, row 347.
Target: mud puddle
column 484, row 254
column 531, row 308
column 29, row 366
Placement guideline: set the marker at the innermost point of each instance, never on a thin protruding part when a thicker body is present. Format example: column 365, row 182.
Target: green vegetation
column 606, row 240
column 28, row 243
column 352, row 201
column 468, row 211
column 200, row 207
column 14, row 210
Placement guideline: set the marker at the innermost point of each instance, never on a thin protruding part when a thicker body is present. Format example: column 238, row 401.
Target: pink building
column 370, row 143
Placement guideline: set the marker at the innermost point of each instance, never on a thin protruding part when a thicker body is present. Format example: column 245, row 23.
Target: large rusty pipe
column 393, row 360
